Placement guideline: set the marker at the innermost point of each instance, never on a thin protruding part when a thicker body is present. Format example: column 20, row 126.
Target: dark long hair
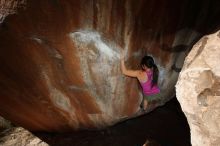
column 148, row 61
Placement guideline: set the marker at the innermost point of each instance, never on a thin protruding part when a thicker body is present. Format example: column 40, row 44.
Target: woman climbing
column 147, row 76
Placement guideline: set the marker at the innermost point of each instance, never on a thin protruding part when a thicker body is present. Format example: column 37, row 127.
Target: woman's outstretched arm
column 125, row 71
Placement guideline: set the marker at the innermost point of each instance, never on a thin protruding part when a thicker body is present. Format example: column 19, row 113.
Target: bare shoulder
column 139, row 73
column 142, row 76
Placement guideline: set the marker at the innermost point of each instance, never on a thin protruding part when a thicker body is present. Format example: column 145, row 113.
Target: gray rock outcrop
column 4, row 124
column 19, row 137
column 198, row 91
column 8, row 7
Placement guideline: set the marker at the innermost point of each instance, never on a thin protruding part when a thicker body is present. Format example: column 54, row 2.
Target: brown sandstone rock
column 198, row 91
column 59, row 64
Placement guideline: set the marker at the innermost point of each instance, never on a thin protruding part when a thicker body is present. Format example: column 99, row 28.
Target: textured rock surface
column 198, row 91
column 59, row 61
column 4, row 124
column 19, row 137
column 8, row 7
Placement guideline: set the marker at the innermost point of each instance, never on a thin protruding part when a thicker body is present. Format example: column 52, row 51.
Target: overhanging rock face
column 60, row 61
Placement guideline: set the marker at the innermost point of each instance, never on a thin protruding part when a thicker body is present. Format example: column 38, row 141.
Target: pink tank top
column 146, row 86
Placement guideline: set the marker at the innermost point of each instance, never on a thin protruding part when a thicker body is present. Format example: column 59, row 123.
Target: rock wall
column 198, row 91
column 8, row 7
column 18, row 136
column 59, row 60
column 4, row 124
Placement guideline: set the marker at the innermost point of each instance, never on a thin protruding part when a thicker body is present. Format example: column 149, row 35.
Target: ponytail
column 148, row 61
column 155, row 75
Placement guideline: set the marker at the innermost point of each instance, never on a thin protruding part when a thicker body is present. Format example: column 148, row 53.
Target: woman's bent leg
column 145, row 104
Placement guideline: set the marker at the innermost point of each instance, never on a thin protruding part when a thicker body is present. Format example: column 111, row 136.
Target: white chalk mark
column 94, row 37
column 38, row 40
